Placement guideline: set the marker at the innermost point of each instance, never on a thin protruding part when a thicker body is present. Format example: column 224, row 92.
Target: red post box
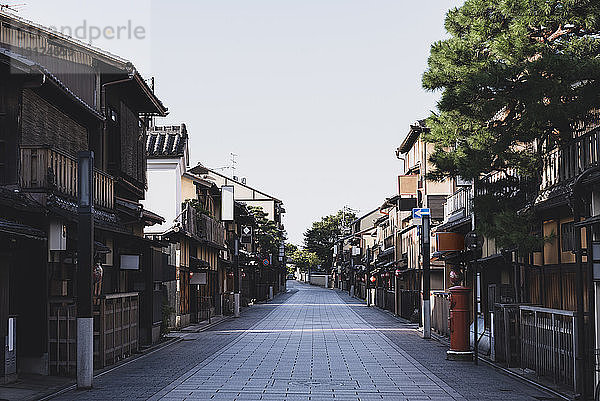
column 459, row 320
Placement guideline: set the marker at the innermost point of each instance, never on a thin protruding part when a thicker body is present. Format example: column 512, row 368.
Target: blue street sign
column 418, row 213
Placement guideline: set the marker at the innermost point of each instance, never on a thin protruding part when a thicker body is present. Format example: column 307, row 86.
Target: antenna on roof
column 12, row 7
column 233, row 163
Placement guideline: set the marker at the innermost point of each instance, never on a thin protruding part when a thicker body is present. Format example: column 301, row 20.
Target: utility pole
column 368, row 279
column 236, row 276
column 85, row 262
column 233, row 163
column 475, row 316
column 425, row 241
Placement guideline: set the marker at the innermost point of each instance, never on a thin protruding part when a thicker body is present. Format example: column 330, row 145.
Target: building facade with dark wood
column 54, row 105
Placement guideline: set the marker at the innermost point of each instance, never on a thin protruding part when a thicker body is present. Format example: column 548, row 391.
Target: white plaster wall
column 163, row 195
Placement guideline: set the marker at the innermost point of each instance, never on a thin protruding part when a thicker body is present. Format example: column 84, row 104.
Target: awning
column 387, row 252
column 198, row 264
column 99, row 247
column 151, row 218
column 497, row 257
column 21, row 230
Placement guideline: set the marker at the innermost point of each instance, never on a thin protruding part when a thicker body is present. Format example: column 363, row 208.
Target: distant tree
column 267, row 234
column 320, row 238
column 516, row 77
column 304, row 259
column 290, row 249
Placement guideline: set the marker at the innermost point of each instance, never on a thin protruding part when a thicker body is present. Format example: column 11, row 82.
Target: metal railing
column 548, row 343
column 458, row 205
column 43, row 168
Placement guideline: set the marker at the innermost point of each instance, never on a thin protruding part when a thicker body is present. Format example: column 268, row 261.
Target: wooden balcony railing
column 202, row 226
column 565, row 163
column 48, row 169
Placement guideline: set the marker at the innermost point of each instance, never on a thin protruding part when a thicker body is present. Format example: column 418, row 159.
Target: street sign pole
column 426, row 283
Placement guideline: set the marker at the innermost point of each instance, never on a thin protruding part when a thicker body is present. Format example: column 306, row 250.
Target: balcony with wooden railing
column 48, row 170
column 202, row 226
column 566, row 162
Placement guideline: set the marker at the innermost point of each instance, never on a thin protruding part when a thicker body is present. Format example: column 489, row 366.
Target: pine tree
column 321, row 236
column 268, row 235
column 516, row 76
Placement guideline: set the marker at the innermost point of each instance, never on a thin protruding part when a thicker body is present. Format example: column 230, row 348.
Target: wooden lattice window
column 567, row 237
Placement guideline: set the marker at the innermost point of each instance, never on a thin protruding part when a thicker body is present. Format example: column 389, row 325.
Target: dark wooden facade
column 51, row 107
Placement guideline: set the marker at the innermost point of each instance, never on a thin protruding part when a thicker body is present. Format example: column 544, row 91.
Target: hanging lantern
column 373, row 279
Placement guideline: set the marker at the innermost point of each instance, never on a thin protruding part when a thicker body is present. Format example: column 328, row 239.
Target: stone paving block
column 312, row 347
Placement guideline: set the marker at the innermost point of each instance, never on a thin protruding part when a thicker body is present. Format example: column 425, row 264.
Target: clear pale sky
column 314, row 96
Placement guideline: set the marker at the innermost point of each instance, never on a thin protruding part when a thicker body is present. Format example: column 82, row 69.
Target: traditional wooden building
column 352, row 254
column 414, row 153
column 539, row 311
column 192, row 207
column 53, row 105
column 273, row 272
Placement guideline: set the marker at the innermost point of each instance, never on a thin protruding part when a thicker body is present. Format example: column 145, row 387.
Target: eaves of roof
column 205, row 170
column 94, row 52
column 28, row 66
column 412, row 136
column 21, row 230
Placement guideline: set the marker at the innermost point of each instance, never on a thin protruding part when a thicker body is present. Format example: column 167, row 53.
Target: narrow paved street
column 308, row 344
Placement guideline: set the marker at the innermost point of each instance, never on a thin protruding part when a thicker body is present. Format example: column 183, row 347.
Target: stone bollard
column 270, row 292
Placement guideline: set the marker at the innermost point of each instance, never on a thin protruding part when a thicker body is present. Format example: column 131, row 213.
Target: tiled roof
column 30, row 66
column 20, row 230
column 169, row 141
